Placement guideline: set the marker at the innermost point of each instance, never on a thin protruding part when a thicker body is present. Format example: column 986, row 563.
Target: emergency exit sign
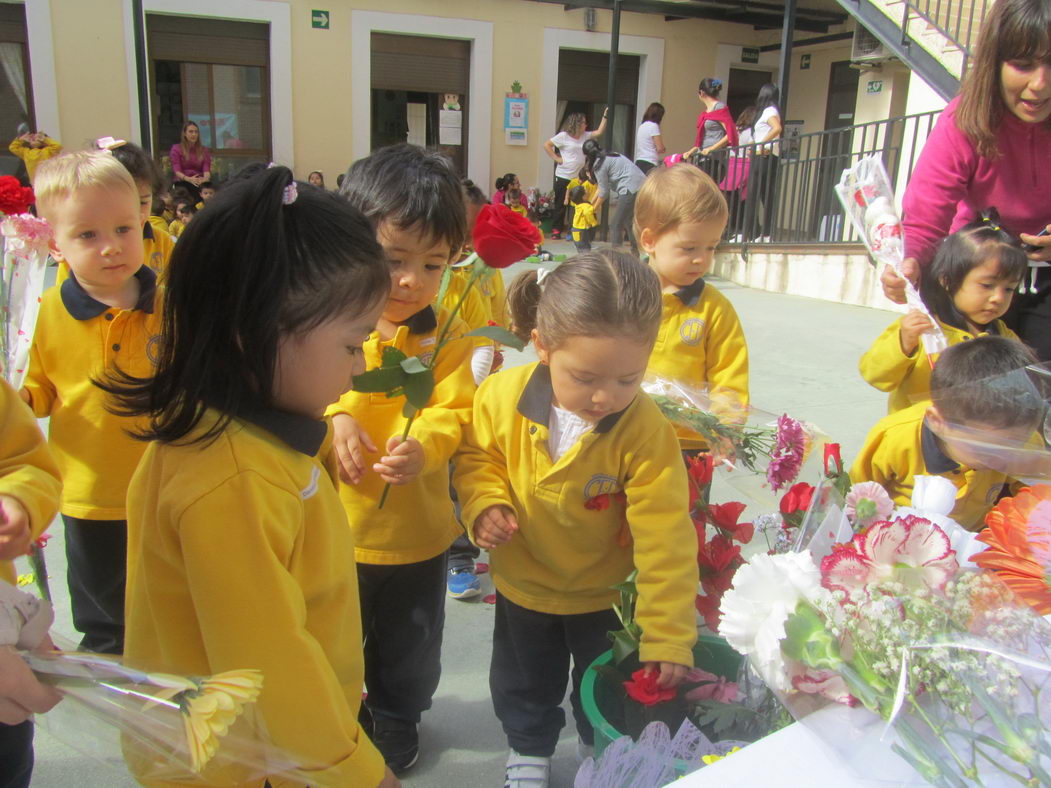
column 319, row 19
column 749, row 55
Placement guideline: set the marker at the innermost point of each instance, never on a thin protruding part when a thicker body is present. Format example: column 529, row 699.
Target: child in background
column 967, row 287
column 492, row 287
column 207, row 193
column 156, row 220
column 415, row 201
column 30, row 486
column 680, row 215
column 980, row 396
column 544, row 440
column 583, row 178
column 584, row 219
column 239, row 551
column 184, row 212
column 104, row 316
column 316, row 179
column 33, row 148
column 509, row 193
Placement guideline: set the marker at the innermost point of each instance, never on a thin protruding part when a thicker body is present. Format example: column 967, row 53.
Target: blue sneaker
column 463, row 584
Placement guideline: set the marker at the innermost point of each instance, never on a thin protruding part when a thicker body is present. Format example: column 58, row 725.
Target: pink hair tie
column 673, row 159
column 109, row 143
column 291, row 192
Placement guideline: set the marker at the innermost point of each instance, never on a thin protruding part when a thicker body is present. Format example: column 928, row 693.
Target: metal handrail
column 959, row 22
column 787, row 195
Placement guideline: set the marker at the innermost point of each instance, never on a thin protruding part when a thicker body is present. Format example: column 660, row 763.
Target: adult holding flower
column 191, row 161
column 565, row 149
column 992, row 147
column 617, row 174
column 716, row 130
column 649, row 147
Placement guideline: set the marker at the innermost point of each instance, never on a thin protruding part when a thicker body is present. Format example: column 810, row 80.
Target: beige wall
column 808, row 90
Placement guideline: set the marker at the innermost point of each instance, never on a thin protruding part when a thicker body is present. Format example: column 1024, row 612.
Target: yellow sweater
column 28, row 472
column 564, row 558
column 77, row 339
column 584, row 216
column 492, row 291
column 908, row 378
column 239, row 556
column 475, row 311
column 417, row 521
column 33, row 156
column 901, row 447
column 702, row 345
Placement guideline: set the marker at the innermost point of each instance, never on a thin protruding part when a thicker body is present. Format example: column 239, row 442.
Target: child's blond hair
column 60, row 177
column 677, row 195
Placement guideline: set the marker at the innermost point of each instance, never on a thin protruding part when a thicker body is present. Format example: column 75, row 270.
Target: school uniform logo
column 426, row 358
column 599, row 484
column 311, row 489
column 692, row 331
column 153, row 349
column 993, row 493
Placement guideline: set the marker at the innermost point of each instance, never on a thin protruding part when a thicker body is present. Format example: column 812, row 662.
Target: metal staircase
column 933, row 37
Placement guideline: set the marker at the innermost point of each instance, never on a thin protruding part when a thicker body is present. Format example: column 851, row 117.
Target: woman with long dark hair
column 762, row 172
column 565, row 150
column 992, row 147
column 617, row 174
column 649, row 147
column 716, row 131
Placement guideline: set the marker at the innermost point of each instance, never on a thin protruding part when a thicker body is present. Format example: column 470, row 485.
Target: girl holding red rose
column 543, row 441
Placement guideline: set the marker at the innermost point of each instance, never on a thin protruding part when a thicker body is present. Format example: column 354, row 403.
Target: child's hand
column 15, row 535
column 672, row 673
column 495, row 526
column 723, row 453
column 403, row 462
column 351, row 443
column 913, row 325
column 21, row 694
column 389, row 780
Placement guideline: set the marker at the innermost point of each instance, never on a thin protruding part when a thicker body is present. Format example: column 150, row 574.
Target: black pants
column 402, row 619
column 582, row 238
column 644, row 165
column 530, row 666
column 623, row 222
column 713, row 165
column 16, row 755
column 559, row 223
column 96, row 559
column 762, row 187
column 462, row 554
column 1030, row 316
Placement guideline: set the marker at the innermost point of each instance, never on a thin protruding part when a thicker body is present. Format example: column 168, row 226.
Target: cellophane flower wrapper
column 825, row 522
column 161, row 727
column 25, row 247
column 865, row 193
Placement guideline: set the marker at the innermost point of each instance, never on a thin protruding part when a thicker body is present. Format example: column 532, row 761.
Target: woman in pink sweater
column 991, row 147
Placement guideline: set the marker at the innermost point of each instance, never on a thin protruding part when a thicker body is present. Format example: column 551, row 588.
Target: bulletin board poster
column 516, row 113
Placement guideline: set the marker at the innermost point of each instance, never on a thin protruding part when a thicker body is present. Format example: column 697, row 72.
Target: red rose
column 502, row 237
column 708, row 606
column 797, row 499
column 833, row 462
column 643, row 688
column 14, row 197
column 717, row 554
column 700, row 469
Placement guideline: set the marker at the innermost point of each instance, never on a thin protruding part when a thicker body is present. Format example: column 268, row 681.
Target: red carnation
column 502, row 237
column 643, row 688
column 14, row 197
column 700, row 469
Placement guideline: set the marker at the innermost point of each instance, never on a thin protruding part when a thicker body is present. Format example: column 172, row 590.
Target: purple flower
column 786, row 459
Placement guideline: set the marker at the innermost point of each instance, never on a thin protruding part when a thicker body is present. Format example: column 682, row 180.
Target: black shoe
column 398, row 741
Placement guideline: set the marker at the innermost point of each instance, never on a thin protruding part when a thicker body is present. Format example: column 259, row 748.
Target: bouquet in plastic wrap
column 168, row 728
column 25, row 242
column 866, row 195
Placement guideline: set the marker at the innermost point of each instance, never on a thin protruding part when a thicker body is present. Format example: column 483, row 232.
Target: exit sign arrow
column 319, row 19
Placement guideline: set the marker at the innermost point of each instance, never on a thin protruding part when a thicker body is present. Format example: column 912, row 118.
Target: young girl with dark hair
column 992, row 146
column 715, row 130
column 649, row 147
column 239, row 553
column 968, row 287
column 544, row 440
column 509, row 192
column 618, row 175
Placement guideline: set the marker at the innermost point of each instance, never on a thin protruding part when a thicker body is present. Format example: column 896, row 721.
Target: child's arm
column 52, row 147
column 874, row 462
column 350, row 442
column 887, row 364
column 726, row 360
column 18, row 146
column 251, row 613
column 30, row 483
column 438, row 427
column 37, row 389
column 665, row 545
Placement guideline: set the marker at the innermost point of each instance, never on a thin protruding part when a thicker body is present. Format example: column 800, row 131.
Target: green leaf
column 392, row 357
column 624, row 645
column 446, row 277
column 418, row 387
column 409, row 410
column 381, row 380
column 498, row 334
column 413, row 365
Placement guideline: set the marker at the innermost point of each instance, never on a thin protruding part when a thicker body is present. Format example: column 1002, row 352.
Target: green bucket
column 601, row 701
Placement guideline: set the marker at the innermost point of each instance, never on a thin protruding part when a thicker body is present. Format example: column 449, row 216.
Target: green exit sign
column 749, row 55
column 319, row 19
column 874, row 86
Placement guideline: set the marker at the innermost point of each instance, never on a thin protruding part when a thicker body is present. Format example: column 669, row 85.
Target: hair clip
column 990, row 217
column 109, row 143
column 291, row 192
column 717, row 83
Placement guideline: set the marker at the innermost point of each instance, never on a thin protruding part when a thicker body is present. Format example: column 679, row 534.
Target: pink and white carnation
column 786, row 459
column 25, row 235
column 867, row 502
column 826, row 683
column 909, row 550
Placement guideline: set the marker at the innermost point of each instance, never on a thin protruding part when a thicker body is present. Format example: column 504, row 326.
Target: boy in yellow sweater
column 584, row 219
column 680, row 215
column 981, row 397
column 104, row 316
column 415, row 200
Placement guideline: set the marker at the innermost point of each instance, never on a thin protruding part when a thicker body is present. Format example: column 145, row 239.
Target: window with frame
column 16, row 94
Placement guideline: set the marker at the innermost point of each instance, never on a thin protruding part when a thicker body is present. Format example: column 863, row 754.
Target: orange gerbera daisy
column 1018, row 533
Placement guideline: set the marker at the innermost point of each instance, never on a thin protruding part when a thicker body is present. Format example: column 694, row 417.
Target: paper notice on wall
column 450, row 127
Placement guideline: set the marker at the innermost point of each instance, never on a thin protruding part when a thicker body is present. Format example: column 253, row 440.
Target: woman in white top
column 649, row 147
column 564, row 149
column 762, row 174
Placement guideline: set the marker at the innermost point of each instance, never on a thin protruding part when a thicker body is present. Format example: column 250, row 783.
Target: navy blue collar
column 691, row 294
column 147, row 232
column 423, row 321
column 301, row 433
column 536, row 399
column 934, row 457
column 83, row 307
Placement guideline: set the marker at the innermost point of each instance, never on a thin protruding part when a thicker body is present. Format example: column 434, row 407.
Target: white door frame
column 41, row 47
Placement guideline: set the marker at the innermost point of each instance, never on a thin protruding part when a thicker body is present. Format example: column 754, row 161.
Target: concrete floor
column 804, row 357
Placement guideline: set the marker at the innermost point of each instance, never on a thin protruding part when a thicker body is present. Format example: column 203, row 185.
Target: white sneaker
column 737, row 239
column 584, row 751
column 527, row 771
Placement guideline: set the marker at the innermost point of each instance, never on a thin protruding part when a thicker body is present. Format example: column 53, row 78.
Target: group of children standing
column 188, row 418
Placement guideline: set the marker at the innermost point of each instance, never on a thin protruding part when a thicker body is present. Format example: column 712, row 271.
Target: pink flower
column 868, row 502
column 826, row 683
column 910, row 550
column 787, row 457
column 26, row 235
